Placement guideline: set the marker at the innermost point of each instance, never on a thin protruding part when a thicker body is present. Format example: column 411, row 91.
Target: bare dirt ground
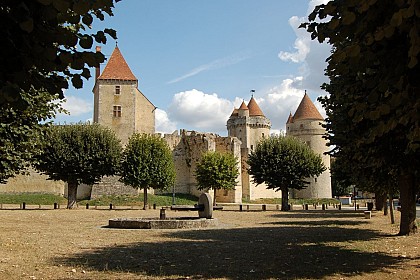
column 314, row 244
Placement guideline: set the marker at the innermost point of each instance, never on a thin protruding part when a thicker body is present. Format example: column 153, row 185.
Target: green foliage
column 45, row 43
column 147, row 163
column 21, row 130
column 217, row 171
column 284, row 162
column 373, row 109
column 31, row 198
column 80, row 153
column 127, row 200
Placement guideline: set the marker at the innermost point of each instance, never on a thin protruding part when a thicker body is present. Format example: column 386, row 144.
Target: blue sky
column 196, row 60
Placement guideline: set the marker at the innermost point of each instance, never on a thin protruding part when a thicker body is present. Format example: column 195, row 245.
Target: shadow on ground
column 286, row 252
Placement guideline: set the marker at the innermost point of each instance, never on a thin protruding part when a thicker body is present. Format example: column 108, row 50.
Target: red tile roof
column 235, row 112
column 254, row 109
column 243, row 106
column 290, row 118
column 117, row 68
column 307, row 110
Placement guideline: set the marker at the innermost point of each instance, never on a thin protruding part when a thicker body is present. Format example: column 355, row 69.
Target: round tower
column 306, row 124
column 249, row 125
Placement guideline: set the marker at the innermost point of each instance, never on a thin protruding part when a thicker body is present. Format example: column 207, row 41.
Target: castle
column 120, row 105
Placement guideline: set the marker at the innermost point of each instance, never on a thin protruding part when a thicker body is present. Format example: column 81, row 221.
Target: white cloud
column 216, row 64
column 302, row 42
column 163, row 124
column 77, row 106
column 200, row 111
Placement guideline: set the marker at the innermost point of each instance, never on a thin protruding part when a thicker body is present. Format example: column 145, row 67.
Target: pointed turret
column 290, row 118
column 254, row 109
column 117, row 68
column 235, row 112
column 243, row 106
column 307, row 110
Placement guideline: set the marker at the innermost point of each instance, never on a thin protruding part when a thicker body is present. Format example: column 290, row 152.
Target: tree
column 147, row 163
column 44, row 43
column 21, row 131
column 372, row 107
column 217, row 171
column 283, row 163
column 79, row 154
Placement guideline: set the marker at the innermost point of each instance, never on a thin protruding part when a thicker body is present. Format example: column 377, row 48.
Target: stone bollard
column 240, row 207
column 110, row 206
column 264, row 207
column 368, row 214
column 55, row 205
column 162, row 215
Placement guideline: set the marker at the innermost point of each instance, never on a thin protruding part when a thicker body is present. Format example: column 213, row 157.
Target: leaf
column 396, row 19
column 27, row 25
column 81, row 7
column 348, row 18
column 86, row 42
column 61, row 5
column 87, row 19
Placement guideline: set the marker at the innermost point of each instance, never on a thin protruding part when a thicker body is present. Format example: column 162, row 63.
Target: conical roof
column 307, row 110
column 254, row 109
column 235, row 112
column 290, row 118
column 117, row 68
column 243, row 106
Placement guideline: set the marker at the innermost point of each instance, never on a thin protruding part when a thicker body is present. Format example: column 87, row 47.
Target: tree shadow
column 242, row 253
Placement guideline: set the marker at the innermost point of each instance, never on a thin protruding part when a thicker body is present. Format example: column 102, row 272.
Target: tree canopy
column 283, row 163
column 217, row 171
column 44, row 43
column 373, row 108
column 21, row 130
column 147, row 163
column 79, row 154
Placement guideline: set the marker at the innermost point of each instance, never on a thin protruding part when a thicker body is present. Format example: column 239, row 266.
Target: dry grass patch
column 74, row 244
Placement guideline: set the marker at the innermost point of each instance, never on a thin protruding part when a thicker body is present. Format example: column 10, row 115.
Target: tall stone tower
column 305, row 124
column 118, row 103
column 249, row 125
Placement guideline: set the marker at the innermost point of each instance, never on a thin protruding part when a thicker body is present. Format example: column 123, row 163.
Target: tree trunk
column 408, row 191
column 391, row 209
column 380, row 200
column 214, row 198
column 71, row 194
column 285, row 199
column 145, row 205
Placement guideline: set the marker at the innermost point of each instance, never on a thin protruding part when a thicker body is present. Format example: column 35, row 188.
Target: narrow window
column 117, row 90
column 117, row 111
